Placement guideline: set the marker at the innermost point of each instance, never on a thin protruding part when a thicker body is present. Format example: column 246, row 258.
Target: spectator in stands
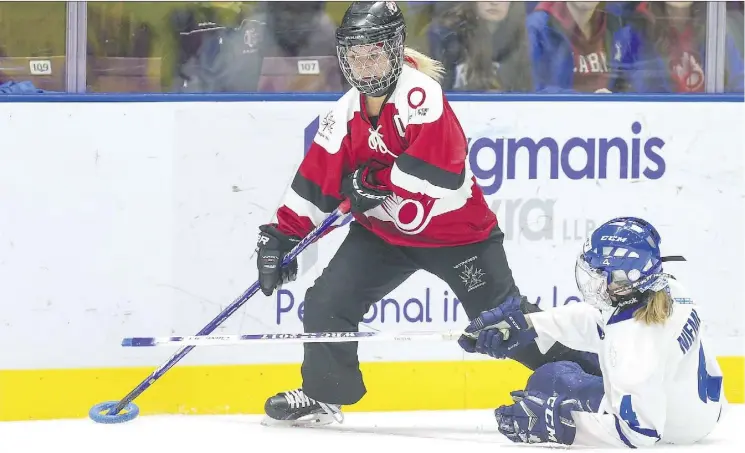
column 663, row 49
column 570, row 44
column 483, row 47
column 263, row 50
column 195, row 23
column 119, row 47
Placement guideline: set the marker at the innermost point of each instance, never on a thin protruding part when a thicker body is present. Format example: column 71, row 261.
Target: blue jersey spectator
column 663, row 49
column 570, row 45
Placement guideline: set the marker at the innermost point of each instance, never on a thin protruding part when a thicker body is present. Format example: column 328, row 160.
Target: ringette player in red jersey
column 394, row 147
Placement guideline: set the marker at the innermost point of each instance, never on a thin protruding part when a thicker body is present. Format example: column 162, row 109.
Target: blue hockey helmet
column 620, row 261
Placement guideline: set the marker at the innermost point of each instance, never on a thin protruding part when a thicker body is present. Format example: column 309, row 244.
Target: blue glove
column 538, row 418
column 498, row 332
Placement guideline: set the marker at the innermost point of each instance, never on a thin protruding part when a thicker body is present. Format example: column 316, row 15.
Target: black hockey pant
column 366, row 268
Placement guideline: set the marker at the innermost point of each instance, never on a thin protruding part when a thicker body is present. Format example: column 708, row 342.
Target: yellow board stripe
column 235, row 389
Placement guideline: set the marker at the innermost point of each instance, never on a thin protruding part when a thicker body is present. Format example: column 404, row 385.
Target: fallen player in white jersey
column 660, row 381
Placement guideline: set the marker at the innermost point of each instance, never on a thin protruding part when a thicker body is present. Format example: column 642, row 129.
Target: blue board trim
column 326, row 97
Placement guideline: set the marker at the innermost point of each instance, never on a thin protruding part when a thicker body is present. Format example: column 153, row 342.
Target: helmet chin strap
column 633, row 298
column 384, row 92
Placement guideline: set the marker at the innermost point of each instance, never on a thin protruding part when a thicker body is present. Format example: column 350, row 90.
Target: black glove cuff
column 271, row 238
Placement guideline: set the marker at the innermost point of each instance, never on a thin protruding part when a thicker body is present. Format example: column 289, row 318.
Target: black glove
column 362, row 190
column 272, row 247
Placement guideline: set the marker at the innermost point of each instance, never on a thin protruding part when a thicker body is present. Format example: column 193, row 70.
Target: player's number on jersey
column 627, row 412
column 709, row 387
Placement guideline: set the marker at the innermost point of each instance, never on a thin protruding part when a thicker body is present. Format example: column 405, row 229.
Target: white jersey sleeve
column 576, row 326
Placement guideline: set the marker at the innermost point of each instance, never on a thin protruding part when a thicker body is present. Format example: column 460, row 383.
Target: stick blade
column 138, row 342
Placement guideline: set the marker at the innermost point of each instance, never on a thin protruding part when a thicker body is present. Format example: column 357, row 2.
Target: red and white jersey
column 436, row 201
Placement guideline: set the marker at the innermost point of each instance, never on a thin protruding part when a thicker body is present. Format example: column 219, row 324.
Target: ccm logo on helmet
column 613, row 239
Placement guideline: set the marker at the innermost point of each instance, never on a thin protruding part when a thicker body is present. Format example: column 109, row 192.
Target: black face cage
column 372, row 68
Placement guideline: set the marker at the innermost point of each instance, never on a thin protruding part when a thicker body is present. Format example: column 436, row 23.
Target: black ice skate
column 295, row 408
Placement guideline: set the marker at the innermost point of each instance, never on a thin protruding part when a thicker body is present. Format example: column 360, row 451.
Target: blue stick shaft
column 258, row 337
column 319, row 337
column 225, row 314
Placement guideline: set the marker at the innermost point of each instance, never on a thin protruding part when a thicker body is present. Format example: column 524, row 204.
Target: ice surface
column 390, row 432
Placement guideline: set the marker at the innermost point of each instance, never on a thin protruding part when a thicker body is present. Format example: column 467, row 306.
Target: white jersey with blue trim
column 662, row 382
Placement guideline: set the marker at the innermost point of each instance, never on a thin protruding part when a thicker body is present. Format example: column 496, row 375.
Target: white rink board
column 140, row 219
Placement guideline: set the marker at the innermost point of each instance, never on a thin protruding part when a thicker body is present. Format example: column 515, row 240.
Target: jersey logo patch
column 327, row 123
column 409, row 216
column 416, row 97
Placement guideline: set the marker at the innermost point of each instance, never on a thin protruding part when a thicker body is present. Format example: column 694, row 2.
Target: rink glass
column 204, row 47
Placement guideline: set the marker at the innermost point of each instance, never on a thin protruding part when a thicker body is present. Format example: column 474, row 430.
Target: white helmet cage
column 370, row 46
column 372, row 68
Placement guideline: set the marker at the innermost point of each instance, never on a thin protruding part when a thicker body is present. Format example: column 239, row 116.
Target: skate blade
column 308, row 421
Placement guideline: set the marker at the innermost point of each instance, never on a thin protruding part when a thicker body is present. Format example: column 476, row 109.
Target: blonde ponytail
column 657, row 310
column 423, row 63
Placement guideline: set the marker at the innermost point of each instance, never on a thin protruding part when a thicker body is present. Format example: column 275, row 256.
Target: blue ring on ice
column 100, row 413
